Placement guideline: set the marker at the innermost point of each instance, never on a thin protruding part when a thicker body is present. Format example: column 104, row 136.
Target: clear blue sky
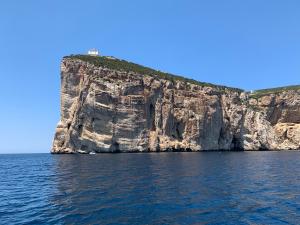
column 250, row 44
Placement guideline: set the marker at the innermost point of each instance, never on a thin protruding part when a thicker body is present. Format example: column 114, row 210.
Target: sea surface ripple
column 151, row 188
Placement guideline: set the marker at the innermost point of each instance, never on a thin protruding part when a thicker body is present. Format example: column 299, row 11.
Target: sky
column 250, row 44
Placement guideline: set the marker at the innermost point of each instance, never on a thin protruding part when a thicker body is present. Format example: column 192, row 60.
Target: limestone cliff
column 109, row 105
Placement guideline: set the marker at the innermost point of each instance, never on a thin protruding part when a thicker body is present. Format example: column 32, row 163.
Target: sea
column 151, row 188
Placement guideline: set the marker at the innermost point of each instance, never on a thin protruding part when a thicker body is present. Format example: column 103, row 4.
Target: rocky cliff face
column 110, row 110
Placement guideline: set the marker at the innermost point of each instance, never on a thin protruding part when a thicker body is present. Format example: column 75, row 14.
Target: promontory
column 111, row 105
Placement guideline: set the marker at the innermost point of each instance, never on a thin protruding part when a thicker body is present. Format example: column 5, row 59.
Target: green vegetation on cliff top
column 122, row 65
column 263, row 92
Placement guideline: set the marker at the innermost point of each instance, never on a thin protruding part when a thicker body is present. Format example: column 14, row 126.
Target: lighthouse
column 93, row 52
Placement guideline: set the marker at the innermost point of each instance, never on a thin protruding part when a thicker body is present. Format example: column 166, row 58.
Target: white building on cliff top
column 93, row 52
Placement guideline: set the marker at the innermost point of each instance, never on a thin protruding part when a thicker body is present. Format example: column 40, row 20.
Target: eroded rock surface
column 105, row 110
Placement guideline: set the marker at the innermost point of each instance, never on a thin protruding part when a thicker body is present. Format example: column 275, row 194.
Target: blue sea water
column 154, row 188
